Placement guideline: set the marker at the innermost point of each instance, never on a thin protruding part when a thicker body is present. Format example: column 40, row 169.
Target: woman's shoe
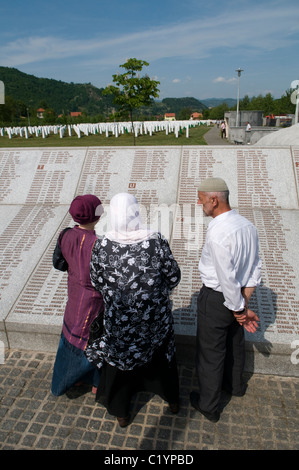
column 123, row 422
column 94, row 390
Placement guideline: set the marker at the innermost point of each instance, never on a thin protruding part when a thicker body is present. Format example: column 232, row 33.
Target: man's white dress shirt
column 230, row 258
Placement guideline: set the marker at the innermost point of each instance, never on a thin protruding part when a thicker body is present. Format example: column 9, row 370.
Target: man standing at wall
column 230, row 270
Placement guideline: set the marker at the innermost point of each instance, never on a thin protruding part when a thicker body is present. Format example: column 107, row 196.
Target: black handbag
column 58, row 260
column 96, row 328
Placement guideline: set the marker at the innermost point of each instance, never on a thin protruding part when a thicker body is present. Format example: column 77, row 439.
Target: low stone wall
column 239, row 135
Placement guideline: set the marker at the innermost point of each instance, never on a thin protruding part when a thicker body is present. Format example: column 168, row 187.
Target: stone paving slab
column 31, row 418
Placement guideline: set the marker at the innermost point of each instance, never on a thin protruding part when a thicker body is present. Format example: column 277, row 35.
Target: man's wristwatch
column 241, row 311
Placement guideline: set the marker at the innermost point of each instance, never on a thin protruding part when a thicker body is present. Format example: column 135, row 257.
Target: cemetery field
column 196, row 137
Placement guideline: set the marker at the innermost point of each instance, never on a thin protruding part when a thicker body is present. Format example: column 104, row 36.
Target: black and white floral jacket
column 135, row 281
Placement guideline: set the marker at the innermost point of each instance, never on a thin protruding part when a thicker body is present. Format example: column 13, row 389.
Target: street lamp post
column 238, row 99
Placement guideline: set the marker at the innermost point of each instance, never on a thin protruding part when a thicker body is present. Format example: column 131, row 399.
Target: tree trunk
column 133, row 130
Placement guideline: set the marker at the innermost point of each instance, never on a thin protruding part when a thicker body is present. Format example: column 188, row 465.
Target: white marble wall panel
column 104, row 172
column 263, row 188
column 25, row 234
column 151, row 174
column 37, row 186
column 40, row 176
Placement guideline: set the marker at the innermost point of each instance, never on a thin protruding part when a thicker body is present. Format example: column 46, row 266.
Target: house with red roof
column 169, row 117
column 76, row 113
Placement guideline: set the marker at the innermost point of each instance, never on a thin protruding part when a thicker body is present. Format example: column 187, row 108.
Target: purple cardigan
column 84, row 301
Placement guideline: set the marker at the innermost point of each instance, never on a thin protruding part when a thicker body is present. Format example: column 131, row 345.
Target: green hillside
column 175, row 105
column 61, row 97
column 54, row 94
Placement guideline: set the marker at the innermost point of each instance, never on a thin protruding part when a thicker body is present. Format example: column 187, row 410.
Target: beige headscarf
column 126, row 223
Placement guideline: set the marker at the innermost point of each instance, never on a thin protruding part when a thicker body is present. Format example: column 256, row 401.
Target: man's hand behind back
column 248, row 320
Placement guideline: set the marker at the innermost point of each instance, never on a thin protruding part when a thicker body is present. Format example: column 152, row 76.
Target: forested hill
column 62, row 97
column 176, row 104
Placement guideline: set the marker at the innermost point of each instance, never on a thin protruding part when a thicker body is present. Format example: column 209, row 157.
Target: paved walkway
column 213, row 137
column 32, row 419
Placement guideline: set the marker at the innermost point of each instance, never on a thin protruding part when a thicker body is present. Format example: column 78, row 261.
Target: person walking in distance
column 223, row 130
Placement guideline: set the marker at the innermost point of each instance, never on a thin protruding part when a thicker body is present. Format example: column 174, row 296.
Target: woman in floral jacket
column 135, row 271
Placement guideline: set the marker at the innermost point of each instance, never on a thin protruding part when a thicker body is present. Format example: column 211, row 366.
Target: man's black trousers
column 220, row 352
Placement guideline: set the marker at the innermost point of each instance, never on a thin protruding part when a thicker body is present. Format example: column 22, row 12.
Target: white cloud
column 176, row 80
column 256, row 29
column 225, row 80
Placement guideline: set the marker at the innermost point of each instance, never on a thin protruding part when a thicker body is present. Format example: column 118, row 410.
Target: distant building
column 195, row 116
column 254, row 117
column 283, row 120
column 40, row 113
column 169, row 117
column 76, row 113
column 240, row 134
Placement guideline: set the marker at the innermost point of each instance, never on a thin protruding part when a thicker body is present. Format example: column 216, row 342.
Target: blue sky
column 193, row 46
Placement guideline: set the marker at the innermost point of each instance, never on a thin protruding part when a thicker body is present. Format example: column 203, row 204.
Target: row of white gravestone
column 111, row 128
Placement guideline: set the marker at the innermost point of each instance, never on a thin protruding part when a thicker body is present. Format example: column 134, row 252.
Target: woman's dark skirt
column 117, row 387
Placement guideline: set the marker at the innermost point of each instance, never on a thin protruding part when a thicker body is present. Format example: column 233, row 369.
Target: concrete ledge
column 276, row 359
column 261, row 358
column 33, row 336
column 34, row 341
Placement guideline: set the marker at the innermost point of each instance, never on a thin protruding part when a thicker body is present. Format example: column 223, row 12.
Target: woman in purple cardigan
column 84, row 302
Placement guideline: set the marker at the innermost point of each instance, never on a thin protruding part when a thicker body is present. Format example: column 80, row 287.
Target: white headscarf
column 125, row 220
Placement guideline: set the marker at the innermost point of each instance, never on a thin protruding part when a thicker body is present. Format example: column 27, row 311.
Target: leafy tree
column 206, row 114
column 132, row 91
column 43, row 104
column 185, row 114
column 268, row 104
column 7, row 111
column 218, row 111
column 50, row 117
column 244, row 103
column 257, row 103
column 284, row 104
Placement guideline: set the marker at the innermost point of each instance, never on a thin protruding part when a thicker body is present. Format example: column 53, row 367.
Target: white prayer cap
column 211, row 185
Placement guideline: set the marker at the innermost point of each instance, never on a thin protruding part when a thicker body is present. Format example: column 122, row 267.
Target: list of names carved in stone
column 189, row 230
column 45, row 293
column 39, row 186
column 276, row 300
column 46, row 176
column 37, row 181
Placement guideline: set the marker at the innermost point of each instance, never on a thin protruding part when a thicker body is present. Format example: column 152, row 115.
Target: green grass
column 196, row 137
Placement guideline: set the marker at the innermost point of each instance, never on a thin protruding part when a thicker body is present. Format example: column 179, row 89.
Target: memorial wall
column 38, row 185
